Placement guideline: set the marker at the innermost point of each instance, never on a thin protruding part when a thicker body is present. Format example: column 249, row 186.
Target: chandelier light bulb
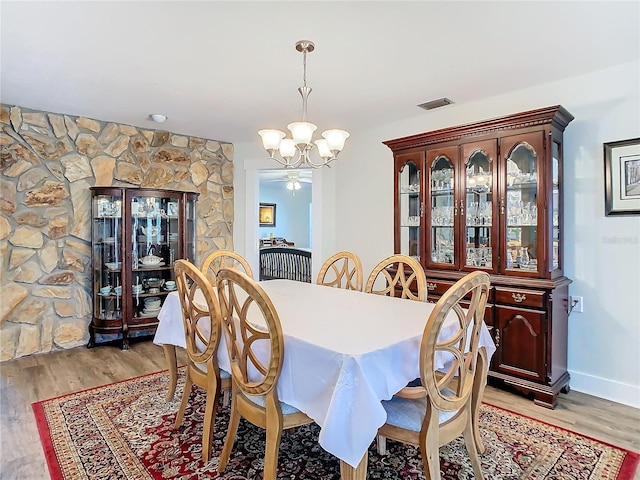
column 297, row 150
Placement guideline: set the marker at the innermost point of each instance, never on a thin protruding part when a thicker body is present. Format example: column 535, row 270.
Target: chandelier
column 297, row 150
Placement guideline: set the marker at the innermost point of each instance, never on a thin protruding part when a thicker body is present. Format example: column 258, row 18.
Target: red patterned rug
column 125, row 431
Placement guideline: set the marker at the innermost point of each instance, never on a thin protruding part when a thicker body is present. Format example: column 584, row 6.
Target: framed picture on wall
column 267, row 215
column 622, row 177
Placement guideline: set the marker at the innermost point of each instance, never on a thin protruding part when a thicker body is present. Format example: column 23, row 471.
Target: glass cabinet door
column 155, row 246
column 107, row 241
column 411, row 207
column 521, row 202
column 477, row 206
column 190, row 228
column 443, row 210
column 556, row 197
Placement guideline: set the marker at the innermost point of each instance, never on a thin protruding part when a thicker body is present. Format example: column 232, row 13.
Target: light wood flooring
column 39, row 377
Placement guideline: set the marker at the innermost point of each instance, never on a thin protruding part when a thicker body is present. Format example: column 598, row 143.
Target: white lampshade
column 323, row 148
column 271, row 139
column 335, row 139
column 287, row 148
column 293, row 185
column 302, row 132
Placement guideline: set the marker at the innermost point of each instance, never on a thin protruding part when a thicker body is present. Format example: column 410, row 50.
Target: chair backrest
column 450, row 389
column 219, row 259
column 398, row 272
column 287, row 263
column 252, row 332
column 342, row 270
column 200, row 312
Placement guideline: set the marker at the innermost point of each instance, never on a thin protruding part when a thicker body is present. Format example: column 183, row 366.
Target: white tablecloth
column 345, row 352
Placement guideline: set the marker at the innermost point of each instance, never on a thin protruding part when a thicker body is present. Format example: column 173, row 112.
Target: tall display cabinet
column 488, row 196
column 136, row 235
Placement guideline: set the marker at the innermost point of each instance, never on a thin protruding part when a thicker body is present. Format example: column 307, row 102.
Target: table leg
column 347, row 472
column 172, row 364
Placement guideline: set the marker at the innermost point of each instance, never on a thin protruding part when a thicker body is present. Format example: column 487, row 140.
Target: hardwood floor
column 39, row 377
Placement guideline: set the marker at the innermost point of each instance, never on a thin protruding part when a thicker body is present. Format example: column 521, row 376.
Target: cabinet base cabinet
column 120, row 330
column 544, row 395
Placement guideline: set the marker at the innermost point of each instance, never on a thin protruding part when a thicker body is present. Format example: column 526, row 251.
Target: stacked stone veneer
column 48, row 162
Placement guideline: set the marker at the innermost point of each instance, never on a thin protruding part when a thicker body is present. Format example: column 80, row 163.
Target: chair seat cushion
column 203, row 368
column 259, row 400
column 409, row 413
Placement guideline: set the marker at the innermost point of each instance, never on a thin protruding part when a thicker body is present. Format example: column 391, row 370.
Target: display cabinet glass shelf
column 137, row 234
column 488, row 196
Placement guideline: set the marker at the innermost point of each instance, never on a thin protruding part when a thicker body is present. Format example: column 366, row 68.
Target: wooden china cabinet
column 136, row 235
column 488, row 196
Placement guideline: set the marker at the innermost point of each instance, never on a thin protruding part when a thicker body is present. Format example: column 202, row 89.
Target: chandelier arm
column 288, row 163
column 325, row 162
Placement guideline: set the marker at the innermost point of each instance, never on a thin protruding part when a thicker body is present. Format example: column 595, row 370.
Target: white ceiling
column 223, row 70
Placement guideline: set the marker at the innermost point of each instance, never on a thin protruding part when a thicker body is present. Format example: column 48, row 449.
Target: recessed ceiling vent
column 441, row 102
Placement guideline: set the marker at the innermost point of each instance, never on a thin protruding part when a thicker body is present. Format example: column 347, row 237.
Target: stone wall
column 48, row 162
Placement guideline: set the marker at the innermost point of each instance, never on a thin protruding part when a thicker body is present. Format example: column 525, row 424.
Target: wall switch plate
column 576, row 304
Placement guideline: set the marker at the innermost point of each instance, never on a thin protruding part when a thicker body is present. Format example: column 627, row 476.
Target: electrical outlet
column 576, row 304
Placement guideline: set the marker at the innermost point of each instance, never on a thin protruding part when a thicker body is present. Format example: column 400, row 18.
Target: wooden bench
column 286, row 263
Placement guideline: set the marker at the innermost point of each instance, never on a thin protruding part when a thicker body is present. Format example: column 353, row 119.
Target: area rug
column 125, row 431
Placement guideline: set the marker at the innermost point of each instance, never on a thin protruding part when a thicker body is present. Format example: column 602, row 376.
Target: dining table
column 345, row 352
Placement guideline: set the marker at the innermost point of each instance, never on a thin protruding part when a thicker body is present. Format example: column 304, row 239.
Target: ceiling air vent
column 441, row 102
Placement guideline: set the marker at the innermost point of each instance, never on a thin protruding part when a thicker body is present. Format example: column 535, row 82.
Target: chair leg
column 188, row 383
column 470, row 442
column 381, row 444
column 226, row 397
column 209, row 423
column 479, row 384
column 274, row 434
column 430, row 450
column 234, row 421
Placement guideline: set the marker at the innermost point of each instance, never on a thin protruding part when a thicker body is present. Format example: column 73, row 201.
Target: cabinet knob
column 461, row 208
column 496, row 339
column 519, row 297
column 431, row 286
column 502, row 206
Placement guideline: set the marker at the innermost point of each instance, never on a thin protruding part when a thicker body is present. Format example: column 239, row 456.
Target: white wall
column 292, row 212
column 602, row 254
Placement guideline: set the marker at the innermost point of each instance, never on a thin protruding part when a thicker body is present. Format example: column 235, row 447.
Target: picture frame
column 267, row 214
column 622, row 177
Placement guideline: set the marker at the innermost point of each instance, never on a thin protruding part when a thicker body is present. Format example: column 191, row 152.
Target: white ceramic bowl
column 150, row 260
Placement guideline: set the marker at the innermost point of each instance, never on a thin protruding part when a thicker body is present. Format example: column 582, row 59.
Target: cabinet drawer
column 437, row 287
column 521, row 297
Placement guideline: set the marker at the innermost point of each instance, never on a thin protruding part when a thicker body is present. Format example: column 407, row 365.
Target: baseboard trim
column 604, row 388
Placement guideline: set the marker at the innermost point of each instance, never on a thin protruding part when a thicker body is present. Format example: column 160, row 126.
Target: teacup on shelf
column 105, row 290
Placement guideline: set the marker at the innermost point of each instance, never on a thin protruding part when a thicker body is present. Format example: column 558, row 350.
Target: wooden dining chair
column 256, row 350
column 398, row 272
column 224, row 259
column 442, row 408
column 342, row 270
column 201, row 317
